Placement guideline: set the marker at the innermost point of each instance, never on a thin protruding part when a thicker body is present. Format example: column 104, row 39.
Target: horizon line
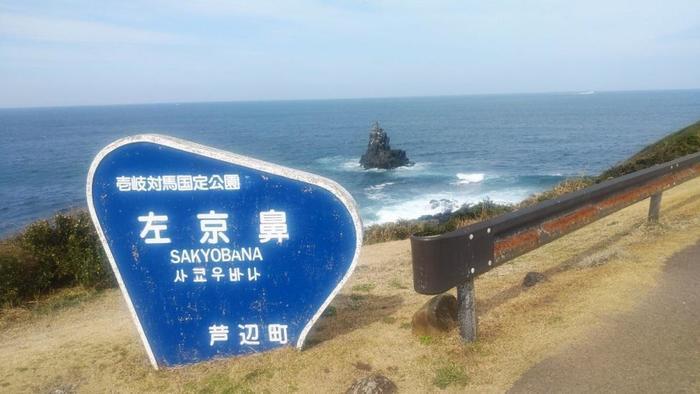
column 344, row 98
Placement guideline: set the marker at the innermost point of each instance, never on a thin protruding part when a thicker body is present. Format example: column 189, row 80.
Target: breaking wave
column 376, row 192
column 437, row 203
column 352, row 164
column 467, row 178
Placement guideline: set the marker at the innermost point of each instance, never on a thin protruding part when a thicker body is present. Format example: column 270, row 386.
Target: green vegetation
column 437, row 224
column 52, row 254
column 330, row 312
column 219, row 384
column 365, row 287
column 357, row 297
column 450, row 375
column 388, row 320
column 566, row 186
column 678, row 144
column 397, row 284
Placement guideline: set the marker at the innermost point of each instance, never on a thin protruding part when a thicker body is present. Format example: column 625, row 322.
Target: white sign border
column 232, row 158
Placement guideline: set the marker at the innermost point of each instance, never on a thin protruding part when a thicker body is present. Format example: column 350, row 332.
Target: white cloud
column 75, row 31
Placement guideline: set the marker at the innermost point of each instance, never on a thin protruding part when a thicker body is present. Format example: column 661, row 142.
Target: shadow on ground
column 573, row 262
column 349, row 312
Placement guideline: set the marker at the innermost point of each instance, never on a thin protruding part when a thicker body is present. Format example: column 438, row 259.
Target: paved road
column 653, row 349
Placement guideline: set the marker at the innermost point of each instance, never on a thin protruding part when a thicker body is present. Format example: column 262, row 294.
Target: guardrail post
column 654, row 207
column 466, row 310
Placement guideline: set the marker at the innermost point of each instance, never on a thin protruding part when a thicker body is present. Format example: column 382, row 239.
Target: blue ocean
column 465, row 149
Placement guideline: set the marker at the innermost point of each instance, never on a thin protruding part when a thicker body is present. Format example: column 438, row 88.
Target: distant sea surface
column 466, row 149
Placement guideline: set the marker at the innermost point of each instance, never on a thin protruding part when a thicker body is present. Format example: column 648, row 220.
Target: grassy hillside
column 682, row 142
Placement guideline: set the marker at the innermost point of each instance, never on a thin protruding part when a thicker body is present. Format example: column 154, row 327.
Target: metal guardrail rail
column 454, row 259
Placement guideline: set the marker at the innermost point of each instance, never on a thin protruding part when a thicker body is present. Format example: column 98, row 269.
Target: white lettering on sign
column 124, row 183
column 253, row 274
column 218, row 333
column 213, row 225
column 273, row 225
column 232, row 182
column 180, row 276
column 216, row 183
column 183, row 183
column 154, row 224
column 249, row 334
column 138, row 183
column 199, row 274
column 199, row 182
column 154, row 183
column 234, row 274
column 169, row 183
column 215, row 255
column 217, row 273
column 277, row 333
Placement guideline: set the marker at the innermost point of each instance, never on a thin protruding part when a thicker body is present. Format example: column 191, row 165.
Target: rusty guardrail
column 454, row 259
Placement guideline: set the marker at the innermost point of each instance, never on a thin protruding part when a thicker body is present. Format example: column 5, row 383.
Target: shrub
column 449, row 375
column 69, row 248
column 18, row 275
column 437, row 224
column 51, row 254
column 566, row 186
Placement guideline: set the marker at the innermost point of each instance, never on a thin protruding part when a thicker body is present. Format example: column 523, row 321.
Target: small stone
column 373, row 384
column 533, row 278
column 362, row 366
column 63, row 389
column 435, row 317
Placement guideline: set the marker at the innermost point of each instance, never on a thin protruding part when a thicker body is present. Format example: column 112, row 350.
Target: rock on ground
column 533, row 278
column 373, row 384
column 437, row 316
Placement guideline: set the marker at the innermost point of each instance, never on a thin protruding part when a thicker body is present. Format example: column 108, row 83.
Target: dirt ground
column 599, row 272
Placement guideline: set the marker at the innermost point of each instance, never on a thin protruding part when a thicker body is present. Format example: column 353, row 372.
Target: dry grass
column 597, row 271
column 569, row 185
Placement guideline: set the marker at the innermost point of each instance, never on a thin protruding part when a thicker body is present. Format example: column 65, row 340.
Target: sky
column 86, row 52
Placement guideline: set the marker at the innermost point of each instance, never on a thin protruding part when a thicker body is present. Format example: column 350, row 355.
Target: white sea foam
column 376, row 192
column 464, row 178
column 380, row 186
column 422, row 166
column 352, row 164
column 436, row 203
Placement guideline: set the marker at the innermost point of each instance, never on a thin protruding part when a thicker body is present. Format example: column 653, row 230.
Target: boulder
column 373, row 384
column 379, row 153
column 435, row 317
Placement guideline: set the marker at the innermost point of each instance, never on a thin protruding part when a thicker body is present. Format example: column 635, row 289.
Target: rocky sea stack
column 379, row 154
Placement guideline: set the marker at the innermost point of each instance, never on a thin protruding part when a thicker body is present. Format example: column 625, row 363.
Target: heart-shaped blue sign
column 218, row 254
